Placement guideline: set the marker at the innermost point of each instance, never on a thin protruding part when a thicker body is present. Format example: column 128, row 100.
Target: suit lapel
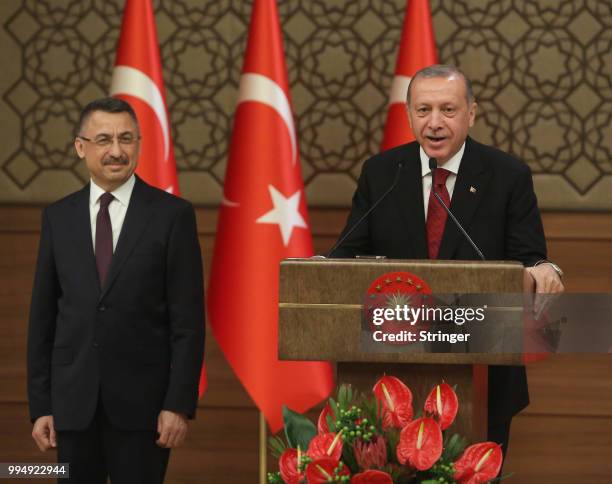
column 81, row 237
column 409, row 195
column 469, row 188
column 136, row 219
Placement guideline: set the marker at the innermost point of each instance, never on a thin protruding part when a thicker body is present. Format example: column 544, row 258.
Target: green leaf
column 370, row 411
column 392, row 436
column 334, row 407
column 275, row 478
column 343, row 393
column 453, row 447
column 348, row 457
column 349, row 394
column 277, row 446
column 298, row 429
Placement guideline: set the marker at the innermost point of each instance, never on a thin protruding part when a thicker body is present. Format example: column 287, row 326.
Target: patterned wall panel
column 542, row 71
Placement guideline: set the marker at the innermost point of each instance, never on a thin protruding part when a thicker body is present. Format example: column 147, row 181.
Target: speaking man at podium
column 116, row 333
column 489, row 192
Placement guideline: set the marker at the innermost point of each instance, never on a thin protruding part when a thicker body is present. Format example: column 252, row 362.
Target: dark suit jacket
column 502, row 217
column 137, row 343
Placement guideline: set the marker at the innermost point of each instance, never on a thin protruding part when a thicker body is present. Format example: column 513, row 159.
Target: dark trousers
column 102, row 451
column 500, row 433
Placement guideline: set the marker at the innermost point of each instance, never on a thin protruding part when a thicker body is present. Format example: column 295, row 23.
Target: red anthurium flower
column 395, row 399
column 371, row 454
column 322, row 426
column 325, row 445
column 420, row 444
column 288, row 466
column 442, row 403
column 323, row 470
column 479, row 463
column 372, row 477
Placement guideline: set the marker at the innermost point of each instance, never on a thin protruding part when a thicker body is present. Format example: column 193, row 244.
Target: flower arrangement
column 377, row 439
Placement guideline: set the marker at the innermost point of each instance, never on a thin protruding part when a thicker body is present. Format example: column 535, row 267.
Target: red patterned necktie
column 104, row 237
column 436, row 215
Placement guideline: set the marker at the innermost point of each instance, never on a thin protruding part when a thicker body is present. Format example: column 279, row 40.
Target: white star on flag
column 285, row 213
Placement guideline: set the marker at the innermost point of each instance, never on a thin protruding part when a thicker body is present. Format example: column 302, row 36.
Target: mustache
column 113, row 160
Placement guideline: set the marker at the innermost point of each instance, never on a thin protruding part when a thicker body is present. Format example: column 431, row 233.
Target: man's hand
column 172, row 429
column 547, row 282
column 44, row 433
column 546, row 278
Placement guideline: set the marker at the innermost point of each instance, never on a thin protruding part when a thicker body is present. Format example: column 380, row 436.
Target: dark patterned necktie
column 436, row 215
column 104, row 237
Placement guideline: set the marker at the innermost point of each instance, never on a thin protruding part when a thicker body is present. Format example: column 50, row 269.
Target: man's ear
column 409, row 117
column 137, row 152
column 473, row 109
column 79, row 147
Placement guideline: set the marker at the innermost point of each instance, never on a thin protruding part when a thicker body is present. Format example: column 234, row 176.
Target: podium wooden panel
column 320, row 318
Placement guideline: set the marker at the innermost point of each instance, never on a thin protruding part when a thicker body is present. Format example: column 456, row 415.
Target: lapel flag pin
column 472, row 189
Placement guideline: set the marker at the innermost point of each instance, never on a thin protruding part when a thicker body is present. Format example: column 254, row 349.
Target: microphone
column 369, row 211
column 433, row 165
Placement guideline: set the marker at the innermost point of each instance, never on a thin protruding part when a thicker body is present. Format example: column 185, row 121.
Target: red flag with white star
column 263, row 219
column 138, row 79
column 417, row 50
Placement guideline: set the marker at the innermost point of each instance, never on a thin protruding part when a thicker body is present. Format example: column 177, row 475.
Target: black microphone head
column 433, row 164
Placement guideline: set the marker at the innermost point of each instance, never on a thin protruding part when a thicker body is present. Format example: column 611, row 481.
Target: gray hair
column 445, row 71
column 107, row 105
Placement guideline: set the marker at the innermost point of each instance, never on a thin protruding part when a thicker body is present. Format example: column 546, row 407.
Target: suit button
column 96, row 344
column 101, row 308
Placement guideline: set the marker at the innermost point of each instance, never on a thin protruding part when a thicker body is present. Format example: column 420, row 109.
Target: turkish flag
column 262, row 220
column 417, row 50
column 138, row 79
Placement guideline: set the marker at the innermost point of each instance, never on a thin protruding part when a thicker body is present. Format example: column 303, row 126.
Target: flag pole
column 263, row 462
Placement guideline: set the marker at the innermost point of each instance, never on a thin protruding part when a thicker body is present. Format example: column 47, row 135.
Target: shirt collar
column 121, row 194
column 451, row 165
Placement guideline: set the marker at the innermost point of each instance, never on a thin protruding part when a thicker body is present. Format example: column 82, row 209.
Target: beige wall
column 542, row 72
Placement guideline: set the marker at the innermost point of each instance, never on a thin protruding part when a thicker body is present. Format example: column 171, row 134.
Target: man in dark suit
column 116, row 332
column 490, row 192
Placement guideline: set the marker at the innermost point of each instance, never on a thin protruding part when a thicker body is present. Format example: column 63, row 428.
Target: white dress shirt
column 451, row 165
column 116, row 209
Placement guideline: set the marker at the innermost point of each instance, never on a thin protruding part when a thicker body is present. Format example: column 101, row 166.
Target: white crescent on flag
column 131, row 81
column 229, row 203
column 399, row 89
column 255, row 87
column 259, row 88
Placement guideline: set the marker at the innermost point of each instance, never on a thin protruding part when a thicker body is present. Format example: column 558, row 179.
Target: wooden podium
column 320, row 318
